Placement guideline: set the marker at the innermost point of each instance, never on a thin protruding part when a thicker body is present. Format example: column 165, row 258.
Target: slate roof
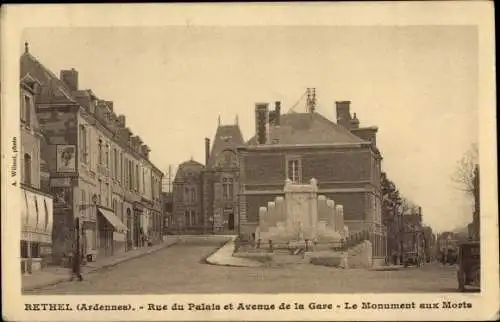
column 51, row 85
column 186, row 168
column 308, row 128
column 227, row 137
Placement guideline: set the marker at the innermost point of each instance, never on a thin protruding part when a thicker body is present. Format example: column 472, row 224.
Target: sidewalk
column 224, row 257
column 55, row 275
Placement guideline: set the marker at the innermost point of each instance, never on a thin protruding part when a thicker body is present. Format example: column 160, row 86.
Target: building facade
column 341, row 156
column 209, row 193
column 36, row 200
column 240, row 177
column 100, row 173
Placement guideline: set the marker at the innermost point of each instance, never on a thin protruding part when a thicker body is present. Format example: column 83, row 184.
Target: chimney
column 70, row 78
column 110, row 105
column 121, row 120
column 354, row 123
column 343, row 113
column 261, row 122
column 277, row 112
column 207, row 151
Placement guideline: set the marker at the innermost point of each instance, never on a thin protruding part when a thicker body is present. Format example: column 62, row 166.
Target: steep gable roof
column 51, row 85
column 308, row 128
column 226, row 137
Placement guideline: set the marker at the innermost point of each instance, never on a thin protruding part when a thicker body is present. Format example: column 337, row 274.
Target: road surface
column 181, row 269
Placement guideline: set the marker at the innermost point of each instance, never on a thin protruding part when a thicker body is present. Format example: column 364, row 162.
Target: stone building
column 100, row 172
column 36, row 200
column 206, row 196
column 343, row 157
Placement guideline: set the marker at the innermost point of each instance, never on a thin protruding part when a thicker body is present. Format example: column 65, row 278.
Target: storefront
column 112, row 233
column 36, row 230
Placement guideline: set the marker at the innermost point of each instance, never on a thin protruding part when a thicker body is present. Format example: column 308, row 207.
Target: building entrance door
column 230, row 221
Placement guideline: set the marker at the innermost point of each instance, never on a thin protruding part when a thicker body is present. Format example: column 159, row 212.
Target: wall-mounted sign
column 60, row 182
column 66, row 158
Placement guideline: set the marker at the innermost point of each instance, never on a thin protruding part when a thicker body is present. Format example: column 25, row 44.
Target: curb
column 205, row 260
column 90, row 271
column 208, row 261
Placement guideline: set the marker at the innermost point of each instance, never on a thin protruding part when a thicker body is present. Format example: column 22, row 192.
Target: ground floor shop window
column 35, row 250
column 24, row 249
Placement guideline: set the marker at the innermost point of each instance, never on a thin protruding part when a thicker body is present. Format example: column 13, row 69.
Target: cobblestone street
column 181, row 269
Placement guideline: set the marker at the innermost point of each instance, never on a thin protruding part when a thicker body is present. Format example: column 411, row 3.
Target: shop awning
column 117, row 224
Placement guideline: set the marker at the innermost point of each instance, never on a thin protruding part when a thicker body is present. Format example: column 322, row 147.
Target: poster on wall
column 66, row 158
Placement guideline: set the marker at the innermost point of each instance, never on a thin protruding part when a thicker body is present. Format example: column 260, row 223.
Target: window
column 115, row 207
column 27, row 169
column 23, row 109
column 137, row 177
column 130, row 176
column 100, row 192
column 24, row 249
column 83, row 144
column 115, row 167
column 186, row 218
column 84, row 202
column 120, row 178
column 143, row 181
column 193, row 218
column 294, row 170
column 193, row 195
column 99, row 151
column 27, row 110
column 107, row 195
column 106, row 160
column 227, row 189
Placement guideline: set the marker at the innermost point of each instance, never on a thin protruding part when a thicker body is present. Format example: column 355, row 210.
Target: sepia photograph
column 205, row 159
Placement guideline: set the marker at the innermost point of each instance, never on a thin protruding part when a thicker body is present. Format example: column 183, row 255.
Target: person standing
column 76, row 267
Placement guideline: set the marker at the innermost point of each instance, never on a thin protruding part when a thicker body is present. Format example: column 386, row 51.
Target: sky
column 418, row 84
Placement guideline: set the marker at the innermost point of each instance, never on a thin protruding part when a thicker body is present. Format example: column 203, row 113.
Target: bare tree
column 465, row 174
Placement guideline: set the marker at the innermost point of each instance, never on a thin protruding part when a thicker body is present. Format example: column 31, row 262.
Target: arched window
column 27, row 169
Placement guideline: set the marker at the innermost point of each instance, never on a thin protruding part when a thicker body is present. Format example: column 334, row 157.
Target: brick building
column 36, row 200
column 100, row 173
column 239, row 177
column 342, row 156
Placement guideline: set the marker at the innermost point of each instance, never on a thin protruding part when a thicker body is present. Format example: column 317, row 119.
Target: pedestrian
column 76, row 267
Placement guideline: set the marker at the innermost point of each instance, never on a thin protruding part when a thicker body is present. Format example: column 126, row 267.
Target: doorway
column 230, row 221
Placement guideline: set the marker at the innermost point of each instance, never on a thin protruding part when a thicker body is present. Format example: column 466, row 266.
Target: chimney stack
column 261, row 122
column 343, row 113
column 121, row 120
column 277, row 112
column 70, row 78
column 207, row 151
